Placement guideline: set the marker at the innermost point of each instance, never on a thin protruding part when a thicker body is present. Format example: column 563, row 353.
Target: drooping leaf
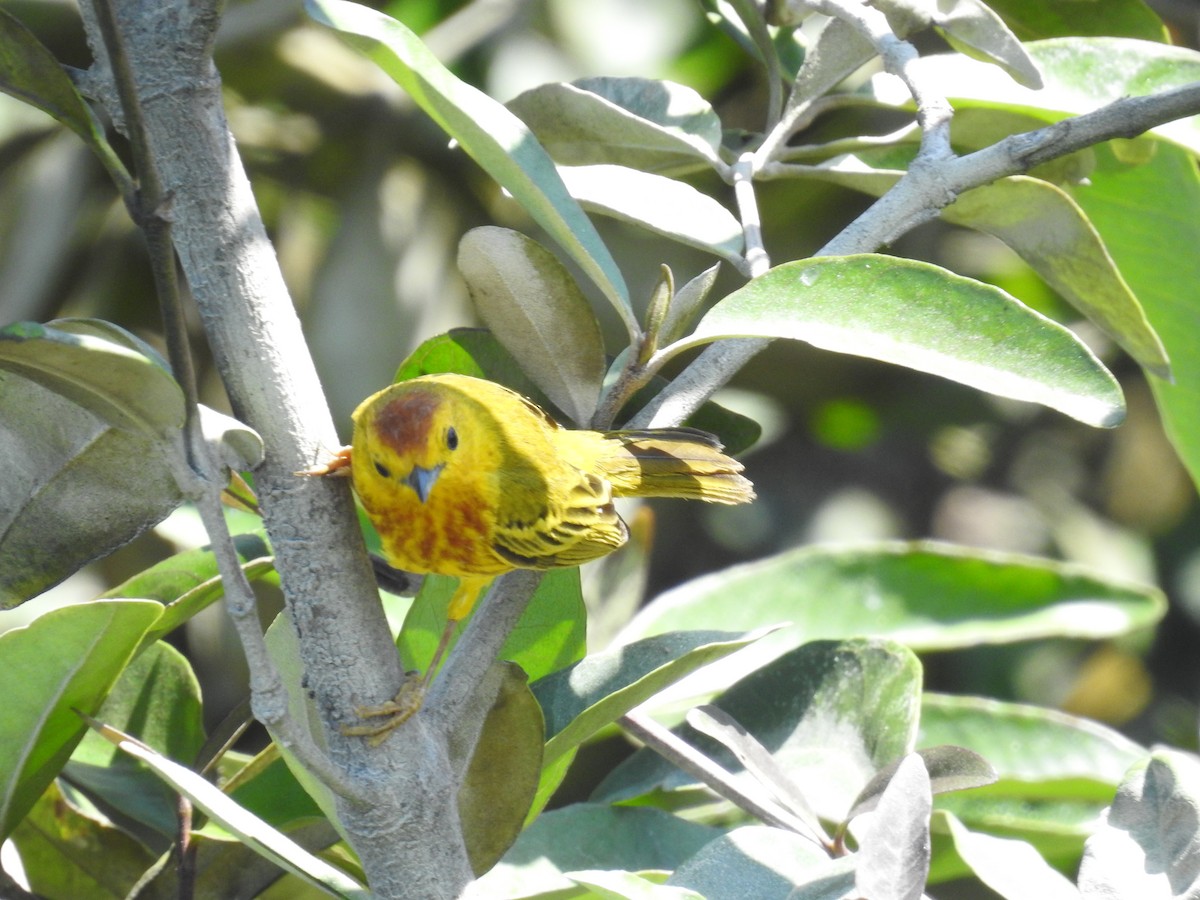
column 663, row 205
column 502, row 776
column 921, row 316
column 971, row 28
column 30, row 72
column 654, row 126
column 63, row 661
column 74, row 488
column 532, row 304
column 123, row 386
column 493, row 136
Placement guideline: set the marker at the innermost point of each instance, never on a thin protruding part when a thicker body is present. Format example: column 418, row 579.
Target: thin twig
column 917, row 198
column 150, row 213
column 268, row 697
column 747, row 203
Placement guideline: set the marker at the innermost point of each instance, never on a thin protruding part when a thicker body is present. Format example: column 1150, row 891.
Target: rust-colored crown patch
column 403, row 423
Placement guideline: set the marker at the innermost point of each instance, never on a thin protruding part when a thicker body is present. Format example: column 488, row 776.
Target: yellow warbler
column 464, row 477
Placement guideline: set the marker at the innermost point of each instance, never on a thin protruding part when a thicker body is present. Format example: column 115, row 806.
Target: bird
column 464, row 477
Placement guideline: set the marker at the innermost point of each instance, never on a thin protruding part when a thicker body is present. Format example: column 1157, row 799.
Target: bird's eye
column 451, row 438
column 383, row 470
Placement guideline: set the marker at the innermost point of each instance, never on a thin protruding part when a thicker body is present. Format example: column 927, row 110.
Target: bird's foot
column 394, row 712
column 338, row 464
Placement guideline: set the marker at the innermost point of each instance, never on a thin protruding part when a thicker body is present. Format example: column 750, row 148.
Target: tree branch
column 407, row 848
column 917, row 198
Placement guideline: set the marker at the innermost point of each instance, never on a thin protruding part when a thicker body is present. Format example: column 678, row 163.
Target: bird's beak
column 421, row 480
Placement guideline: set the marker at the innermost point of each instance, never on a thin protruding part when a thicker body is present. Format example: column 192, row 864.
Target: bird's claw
column 338, row 465
column 394, row 712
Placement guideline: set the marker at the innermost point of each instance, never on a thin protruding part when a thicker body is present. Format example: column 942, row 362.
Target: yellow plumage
column 464, row 477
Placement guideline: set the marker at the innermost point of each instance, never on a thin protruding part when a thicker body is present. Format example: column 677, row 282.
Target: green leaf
column 832, row 713
column 265, row 786
column 893, row 856
column 63, row 661
column 1057, row 772
column 1067, row 18
column 238, row 445
column 949, row 768
column 502, row 776
column 926, row 595
column 685, row 304
column 973, row 29
column 1011, row 868
column 1149, row 216
column 475, row 351
column 1030, row 743
column 494, row 137
column 189, row 581
column 1148, row 846
column 767, row 864
column 249, row 829
column 617, row 885
column 74, row 489
column 596, row 691
column 590, row 836
column 1049, row 231
column 532, row 304
column 921, row 316
column 121, row 385
column 1044, row 225
column 284, row 646
column 67, row 854
column 663, row 205
column 549, row 636
column 1080, row 75
column 29, row 72
column 654, row 126
column 757, row 760
column 157, row 698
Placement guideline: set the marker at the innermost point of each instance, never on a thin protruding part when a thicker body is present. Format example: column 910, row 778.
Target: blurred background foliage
column 365, row 202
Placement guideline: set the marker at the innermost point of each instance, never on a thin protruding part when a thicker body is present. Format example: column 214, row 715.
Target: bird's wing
column 574, row 522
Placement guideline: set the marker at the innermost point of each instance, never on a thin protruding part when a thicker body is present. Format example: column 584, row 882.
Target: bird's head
column 407, row 435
